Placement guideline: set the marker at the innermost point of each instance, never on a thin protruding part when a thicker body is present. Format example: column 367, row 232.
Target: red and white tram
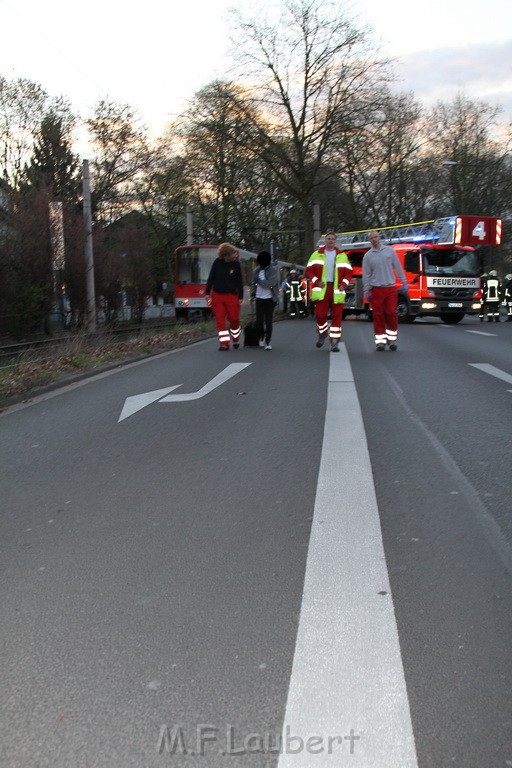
column 192, row 264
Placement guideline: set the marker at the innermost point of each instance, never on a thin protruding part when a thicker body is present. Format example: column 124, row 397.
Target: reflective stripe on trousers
column 226, row 309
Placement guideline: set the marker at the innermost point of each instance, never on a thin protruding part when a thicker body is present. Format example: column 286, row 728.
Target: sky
column 156, row 54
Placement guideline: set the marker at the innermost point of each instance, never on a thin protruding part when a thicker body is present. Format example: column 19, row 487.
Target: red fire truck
column 439, row 259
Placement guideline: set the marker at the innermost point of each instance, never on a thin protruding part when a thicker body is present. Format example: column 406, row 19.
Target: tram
column 192, row 264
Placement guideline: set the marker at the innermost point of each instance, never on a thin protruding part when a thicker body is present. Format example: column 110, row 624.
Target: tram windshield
column 193, row 264
column 450, row 261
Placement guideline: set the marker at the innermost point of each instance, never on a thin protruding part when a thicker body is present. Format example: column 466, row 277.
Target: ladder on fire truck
column 446, row 231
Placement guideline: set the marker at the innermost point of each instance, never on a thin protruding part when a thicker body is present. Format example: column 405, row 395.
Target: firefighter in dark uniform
column 492, row 296
column 293, row 289
column 481, row 314
column 507, row 296
column 305, row 291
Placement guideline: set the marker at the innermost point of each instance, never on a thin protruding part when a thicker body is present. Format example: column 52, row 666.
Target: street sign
column 478, row 230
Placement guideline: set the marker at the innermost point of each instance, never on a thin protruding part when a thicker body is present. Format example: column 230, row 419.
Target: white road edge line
column 347, row 699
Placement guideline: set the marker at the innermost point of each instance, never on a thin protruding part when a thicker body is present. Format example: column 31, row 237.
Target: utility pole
column 58, row 261
column 316, row 224
column 89, row 260
column 190, row 230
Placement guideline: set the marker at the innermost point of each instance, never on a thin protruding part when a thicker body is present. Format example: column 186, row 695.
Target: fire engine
column 442, row 266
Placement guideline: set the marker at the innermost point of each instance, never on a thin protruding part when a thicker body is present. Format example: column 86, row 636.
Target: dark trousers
column 264, row 315
column 296, row 308
column 493, row 310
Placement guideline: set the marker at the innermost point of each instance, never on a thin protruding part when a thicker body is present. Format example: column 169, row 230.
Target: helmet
column 493, row 273
column 508, row 277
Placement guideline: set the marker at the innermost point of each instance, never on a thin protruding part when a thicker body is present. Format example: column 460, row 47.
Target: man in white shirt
column 380, row 264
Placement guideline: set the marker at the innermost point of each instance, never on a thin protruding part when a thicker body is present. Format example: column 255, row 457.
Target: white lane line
column 347, row 688
column 493, row 371
column 482, row 333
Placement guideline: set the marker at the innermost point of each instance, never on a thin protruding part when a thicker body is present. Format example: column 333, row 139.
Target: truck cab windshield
column 450, row 261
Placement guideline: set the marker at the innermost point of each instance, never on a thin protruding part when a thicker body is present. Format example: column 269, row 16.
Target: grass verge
column 80, row 356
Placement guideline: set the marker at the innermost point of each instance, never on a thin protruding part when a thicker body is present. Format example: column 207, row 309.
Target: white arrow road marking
column 492, row 371
column 223, row 376
column 138, row 402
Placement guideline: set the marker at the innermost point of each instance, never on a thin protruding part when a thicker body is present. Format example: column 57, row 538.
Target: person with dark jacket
column 226, row 286
column 265, row 291
column 492, row 296
column 507, row 296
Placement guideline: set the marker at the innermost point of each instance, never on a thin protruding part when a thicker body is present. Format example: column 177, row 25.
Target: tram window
column 187, row 260
column 204, row 267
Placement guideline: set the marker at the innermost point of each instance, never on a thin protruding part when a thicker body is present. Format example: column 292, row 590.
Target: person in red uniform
column 381, row 267
column 329, row 270
column 226, row 286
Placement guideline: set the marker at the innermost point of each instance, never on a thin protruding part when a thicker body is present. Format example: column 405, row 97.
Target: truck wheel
column 403, row 312
column 450, row 318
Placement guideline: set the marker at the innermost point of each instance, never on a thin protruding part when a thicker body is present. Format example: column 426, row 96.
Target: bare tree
column 163, row 193
column 22, row 103
column 468, row 134
column 26, row 264
column 121, row 154
column 382, row 160
column 317, row 77
column 223, row 174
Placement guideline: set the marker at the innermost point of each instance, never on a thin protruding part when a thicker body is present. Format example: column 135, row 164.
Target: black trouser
column 493, row 310
column 296, row 307
column 264, row 314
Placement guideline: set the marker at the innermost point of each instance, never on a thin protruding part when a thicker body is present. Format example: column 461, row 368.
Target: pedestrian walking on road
column 266, row 294
column 226, row 286
column 330, row 271
column 381, row 267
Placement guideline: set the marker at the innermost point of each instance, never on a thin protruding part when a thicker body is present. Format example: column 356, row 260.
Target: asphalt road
column 166, row 588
